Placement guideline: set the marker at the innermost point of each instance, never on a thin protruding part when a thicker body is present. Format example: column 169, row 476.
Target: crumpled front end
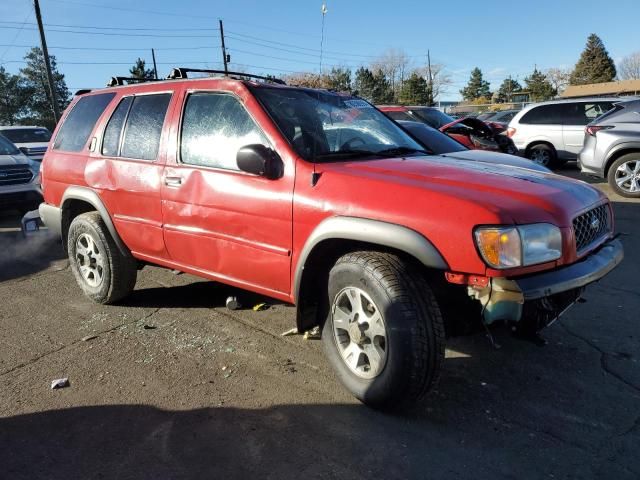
column 540, row 298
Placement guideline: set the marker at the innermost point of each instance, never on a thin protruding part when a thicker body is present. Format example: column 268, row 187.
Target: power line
column 112, row 34
column 125, row 9
column 251, row 42
column 200, row 47
column 135, row 29
column 15, row 37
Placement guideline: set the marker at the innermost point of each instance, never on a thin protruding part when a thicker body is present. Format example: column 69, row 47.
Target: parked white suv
column 32, row 141
column 550, row 133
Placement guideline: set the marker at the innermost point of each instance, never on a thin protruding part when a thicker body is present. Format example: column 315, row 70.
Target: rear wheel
column 384, row 334
column 543, row 154
column 103, row 273
column 624, row 175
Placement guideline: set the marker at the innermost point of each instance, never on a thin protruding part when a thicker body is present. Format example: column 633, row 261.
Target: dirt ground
column 171, row 384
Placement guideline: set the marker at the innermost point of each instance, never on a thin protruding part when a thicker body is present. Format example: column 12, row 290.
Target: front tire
column 624, row 175
column 543, row 154
column 384, row 335
column 103, row 273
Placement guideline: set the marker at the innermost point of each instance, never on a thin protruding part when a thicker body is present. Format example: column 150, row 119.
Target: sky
column 94, row 40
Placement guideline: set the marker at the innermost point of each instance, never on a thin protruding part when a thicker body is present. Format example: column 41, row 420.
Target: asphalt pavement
column 171, row 384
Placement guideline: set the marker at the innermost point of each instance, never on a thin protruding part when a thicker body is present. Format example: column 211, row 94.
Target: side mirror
column 260, row 160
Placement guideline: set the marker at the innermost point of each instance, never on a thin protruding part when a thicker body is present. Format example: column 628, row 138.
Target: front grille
column 591, row 226
column 14, row 175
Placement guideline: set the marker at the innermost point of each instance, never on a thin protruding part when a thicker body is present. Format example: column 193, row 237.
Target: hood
column 517, row 195
column 495, row 158
column 6, row 160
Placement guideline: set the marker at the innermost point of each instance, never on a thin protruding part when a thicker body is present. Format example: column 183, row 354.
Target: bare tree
column 558, row 78
column 394, row 63
column 441, row 80
column 629, row 67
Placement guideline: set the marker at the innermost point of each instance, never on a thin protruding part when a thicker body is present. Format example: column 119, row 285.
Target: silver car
column 32, row 141
column 612, row 148
column 19, row 179
column 551, row 133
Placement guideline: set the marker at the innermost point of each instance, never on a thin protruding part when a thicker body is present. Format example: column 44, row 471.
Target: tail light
column 593, row 129
column 511, row 132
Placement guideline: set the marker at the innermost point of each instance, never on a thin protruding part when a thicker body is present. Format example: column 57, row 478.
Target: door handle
column 173, row 181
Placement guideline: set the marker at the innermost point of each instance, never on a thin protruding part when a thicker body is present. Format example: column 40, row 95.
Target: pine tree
column 415, row 91
column 539, row 87
column 36, row 86
column 477, row 86
column 338, row 79
column 595, row 65
column 14, row 98
column 139, row 70
column 507, row 89
column 382, row 89
column 373, row 86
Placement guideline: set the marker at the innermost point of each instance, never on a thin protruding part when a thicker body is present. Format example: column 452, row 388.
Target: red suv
column 318, row 199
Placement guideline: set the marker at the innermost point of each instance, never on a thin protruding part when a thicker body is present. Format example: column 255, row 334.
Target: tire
column 543, row 154
column 411, row 351
column 103, row 273
column 626, row 167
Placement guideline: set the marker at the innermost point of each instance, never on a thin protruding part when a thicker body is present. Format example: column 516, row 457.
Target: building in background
column 620, row 88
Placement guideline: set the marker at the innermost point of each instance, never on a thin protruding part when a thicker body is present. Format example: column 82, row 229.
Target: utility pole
column 155, row 68
column 430, row 77
column 324, row 13
column 224, row 50
column 47, row 63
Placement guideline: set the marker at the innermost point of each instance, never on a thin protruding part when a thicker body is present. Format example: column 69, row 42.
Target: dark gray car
column 612, row 148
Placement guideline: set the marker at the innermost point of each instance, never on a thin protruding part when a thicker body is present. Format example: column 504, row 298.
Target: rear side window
column 111, row 142
column 214, row 127
column 544, row 115
column 74, row 132
column 141, row 135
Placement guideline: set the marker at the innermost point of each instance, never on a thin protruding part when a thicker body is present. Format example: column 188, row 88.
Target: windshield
column 326, row 126
column 7, row 148
column 27, row 135
column 432, row 117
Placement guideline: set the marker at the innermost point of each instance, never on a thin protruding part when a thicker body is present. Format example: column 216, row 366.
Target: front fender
column 371, row 231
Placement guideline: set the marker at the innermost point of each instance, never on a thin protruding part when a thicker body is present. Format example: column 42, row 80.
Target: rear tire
column 624, row 175
column 103, row 273
column 543, row 154
column 388, row 353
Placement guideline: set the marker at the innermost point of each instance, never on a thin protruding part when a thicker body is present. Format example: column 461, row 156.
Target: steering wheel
column 349, row 144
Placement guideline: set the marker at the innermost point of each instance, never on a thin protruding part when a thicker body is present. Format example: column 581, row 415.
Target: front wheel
column 624, row 175
column 542, row 154
column 104, row 273
column 384, row 334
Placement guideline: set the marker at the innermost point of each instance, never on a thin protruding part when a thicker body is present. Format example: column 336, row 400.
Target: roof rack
column 181, row 72
column 119, row 81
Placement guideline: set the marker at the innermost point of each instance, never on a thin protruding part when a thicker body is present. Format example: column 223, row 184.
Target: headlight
column 508, row 247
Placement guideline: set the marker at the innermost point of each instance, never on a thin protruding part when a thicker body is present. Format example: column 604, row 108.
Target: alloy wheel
column 627, row 176
column 90, row 260
column 542, row 157
column 359, row 332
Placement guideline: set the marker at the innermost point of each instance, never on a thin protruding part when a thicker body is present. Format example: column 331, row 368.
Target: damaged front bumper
column 504, row 298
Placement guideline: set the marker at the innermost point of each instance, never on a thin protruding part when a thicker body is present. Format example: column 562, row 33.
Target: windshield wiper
column 348, row 153
column 388, row 152
column 402, row 151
